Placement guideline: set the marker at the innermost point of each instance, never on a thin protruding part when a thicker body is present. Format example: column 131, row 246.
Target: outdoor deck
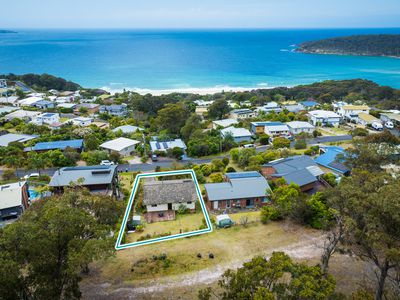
column 157, row 216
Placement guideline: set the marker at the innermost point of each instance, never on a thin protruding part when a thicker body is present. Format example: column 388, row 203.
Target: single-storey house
column 119, row 110
column 30, row 101
column 351, row 112
column 25, row 115
column 224, row 123
column 8, row 138
column 67, row 105
column 123, row 146
column 395, row 118
column 80, row 121
column 127, row 129
column 309, row 104
column 164, row 146
column 91, row 108
column 239, row 134
column 269, row 107
column 46, row 118
column 276, row 129
column 240, row 190
column 295, row 108
column 330, row 158
column 259, row 127
column 324, row 118
column 7, row 109
column 43, row 104
column 14, row 199
column 98, row 179
column 13, row 100
column 300, row 169
column 54, row 145
column 242, row 113
column 297, row 127
column 366, row 119
column 163, row 198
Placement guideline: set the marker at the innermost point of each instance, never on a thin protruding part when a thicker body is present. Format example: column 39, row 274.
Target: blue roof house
column 60, row 145
column 330, row 158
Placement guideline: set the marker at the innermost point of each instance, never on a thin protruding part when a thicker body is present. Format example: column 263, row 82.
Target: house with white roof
column 224, row 123
column 123, row 146
column 127, row 129
column 14, row 199
column 80, row 121
column 26, row 115
column 46, row 118
column 13, row 100
column 269, row 107
column 324, row 118
column 277, row 129
column 239, row 134
column 165, row 145
column 297, row 127
column 351, row 112
column 29, row 101
column 8, row 138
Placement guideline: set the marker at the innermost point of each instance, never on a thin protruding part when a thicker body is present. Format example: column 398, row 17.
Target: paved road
column 167, row 163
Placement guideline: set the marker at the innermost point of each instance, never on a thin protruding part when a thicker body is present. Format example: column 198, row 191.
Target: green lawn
column 182, row 223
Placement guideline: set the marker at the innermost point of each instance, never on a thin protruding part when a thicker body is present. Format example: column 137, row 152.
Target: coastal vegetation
column 43, row 82
column 366, row 45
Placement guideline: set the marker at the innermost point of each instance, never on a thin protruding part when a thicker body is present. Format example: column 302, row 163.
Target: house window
column 189, row 202
column 154, row 205
column 228, row 203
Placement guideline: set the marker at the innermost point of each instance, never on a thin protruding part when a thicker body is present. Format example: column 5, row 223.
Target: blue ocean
column 188, row 59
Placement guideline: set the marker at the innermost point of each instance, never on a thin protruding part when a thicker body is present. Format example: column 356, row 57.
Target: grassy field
column 182, row 223
column 136, row 265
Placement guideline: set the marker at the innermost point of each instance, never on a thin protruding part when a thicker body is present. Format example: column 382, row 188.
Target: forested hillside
column 368, row 45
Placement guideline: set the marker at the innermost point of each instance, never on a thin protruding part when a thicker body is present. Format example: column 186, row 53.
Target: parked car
column 248, row 146
column 32, row 175
column 106, row 163
column 154, row 157
column 377, row 126
column 389, row 125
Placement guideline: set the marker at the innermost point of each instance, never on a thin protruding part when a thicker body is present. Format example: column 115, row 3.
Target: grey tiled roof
column 169, row 191
column 92, row 175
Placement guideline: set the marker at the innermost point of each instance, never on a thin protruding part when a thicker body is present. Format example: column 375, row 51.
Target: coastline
column 322, row 52
column 190, row 90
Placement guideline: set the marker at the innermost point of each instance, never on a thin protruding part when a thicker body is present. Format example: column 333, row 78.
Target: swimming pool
column 33, row 195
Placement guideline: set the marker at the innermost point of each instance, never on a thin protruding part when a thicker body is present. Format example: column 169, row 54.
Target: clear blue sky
column 198, row 13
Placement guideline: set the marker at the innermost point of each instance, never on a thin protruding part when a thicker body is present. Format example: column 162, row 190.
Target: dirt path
column 308, row 248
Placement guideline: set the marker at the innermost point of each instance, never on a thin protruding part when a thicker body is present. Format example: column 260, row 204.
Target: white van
column 389, row 125
column 377, row 126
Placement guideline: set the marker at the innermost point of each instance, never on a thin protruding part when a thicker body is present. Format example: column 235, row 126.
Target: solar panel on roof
column 165, row 145
column 243, row 175
column 158, row 146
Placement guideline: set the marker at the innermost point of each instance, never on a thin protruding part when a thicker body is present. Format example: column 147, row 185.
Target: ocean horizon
column 188, row 60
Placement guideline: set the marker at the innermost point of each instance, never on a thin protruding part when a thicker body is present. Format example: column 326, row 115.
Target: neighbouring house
column 164, row 146
column 351, row 112
column 366, row 119
column 393, row 117
column 43, row 104
column 224, row 123
column 46, row 118
column 30, row 101
column 269, row 107
column 13, row 100
column 25, row 115
column 294, row 108
column 240, row 190
column 8, row 138
column 324, row 118
column 338, row 104
column 101, row 124
column 243, row 113
column 259, row 127
column 332, row 157
column 97, row 179
column 14, row 199
column 275, row 129
column 239, row 134
column 67, row 105
column 201, row 110
column 126, row 129
column 297, row 127
column 309, row 104
column 118, row 110
column 91, row 108
column 57, row 145
column 7, row 109
column 123, row 146
column 203, row 102
column 80, row 121
column 163, row 198
column 301, row 170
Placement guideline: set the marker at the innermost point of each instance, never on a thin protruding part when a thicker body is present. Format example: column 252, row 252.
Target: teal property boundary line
column 119, row 246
